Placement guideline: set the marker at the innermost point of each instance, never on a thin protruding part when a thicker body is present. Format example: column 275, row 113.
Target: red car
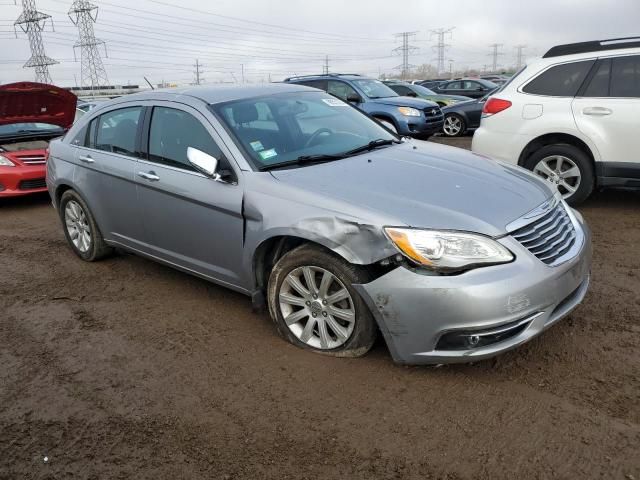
column 31, row 115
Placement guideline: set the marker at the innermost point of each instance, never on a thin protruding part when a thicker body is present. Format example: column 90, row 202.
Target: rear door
column 106, row 159
column 190, row 220
column 607, row 110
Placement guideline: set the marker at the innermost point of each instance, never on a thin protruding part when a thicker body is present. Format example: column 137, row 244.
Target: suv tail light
column 495, row 105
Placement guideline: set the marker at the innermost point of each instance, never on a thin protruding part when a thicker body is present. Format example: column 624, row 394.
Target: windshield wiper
column 372, row 145
column 303, row 160
column 321, row 158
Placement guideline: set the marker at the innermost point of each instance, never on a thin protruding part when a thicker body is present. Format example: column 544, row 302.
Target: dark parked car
column 468, row 87
column 412, row 90
column 430, row 83
column 463, row 116
column 407, row 116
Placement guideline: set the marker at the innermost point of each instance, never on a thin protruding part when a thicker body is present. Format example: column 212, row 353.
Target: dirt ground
column 128, row 369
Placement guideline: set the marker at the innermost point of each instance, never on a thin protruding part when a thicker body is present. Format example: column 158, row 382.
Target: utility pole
column 494, row 54
column 84, row 14
column 242, row 71
column 198, row 72
column 440, row 46
column 32, row 22
column 325, row 68
column 404, row 50
column 519, row 55
column 451, row 69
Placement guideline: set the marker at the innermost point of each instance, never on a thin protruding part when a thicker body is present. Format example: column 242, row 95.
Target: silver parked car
column 340, row 227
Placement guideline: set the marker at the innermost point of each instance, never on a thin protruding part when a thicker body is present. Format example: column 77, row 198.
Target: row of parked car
column 406, row 108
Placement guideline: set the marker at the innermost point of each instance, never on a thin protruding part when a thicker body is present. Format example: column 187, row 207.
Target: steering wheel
column 316, row 134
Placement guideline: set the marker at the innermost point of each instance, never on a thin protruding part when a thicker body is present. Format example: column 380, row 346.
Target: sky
column 262, row 40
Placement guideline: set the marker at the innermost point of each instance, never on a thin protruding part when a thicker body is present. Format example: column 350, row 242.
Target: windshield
column 279, row 129
column 423, row 90
column 23, row 128
column 374, row 88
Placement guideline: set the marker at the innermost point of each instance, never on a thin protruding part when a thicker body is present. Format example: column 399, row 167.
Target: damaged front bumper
column 429, row 319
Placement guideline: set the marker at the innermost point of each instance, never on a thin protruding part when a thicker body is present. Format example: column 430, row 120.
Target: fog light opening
column 473, row 341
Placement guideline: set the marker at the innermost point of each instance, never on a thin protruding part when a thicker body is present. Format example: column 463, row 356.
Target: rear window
column 561, row 80
column 625, row 77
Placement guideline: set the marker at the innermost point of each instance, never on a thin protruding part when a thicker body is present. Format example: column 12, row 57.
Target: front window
column 29, row 128
column 374, row 88
column 280, row 129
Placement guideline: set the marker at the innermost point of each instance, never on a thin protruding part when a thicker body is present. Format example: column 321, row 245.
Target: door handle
column 597, row 111
column 87, row 159
column 151, row 176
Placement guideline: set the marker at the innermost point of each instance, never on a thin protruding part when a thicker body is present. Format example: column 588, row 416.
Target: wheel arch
column 556, row 139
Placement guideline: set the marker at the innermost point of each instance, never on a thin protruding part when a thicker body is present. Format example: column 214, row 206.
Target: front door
column 190, row 220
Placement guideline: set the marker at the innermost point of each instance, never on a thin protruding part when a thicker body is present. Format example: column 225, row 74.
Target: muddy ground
column 128, row 369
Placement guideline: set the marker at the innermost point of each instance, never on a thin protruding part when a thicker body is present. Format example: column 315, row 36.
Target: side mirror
column 480, row 89
column 353, row 98
column 412, row 94
column 203, row 162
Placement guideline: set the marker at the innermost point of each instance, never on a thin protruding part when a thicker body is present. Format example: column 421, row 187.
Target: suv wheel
column 454, row 125
column 567, row 167
column 314, row 306
column 80, row 228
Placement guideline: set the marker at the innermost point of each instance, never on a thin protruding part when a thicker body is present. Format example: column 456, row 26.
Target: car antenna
column 152, row 87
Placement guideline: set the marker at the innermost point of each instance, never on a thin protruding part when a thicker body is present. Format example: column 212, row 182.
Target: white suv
column 572, row 117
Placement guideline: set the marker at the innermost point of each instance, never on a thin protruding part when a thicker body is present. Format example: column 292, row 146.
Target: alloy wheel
column 452, row 125
column 77, row 226
column 317, row 307
column 560, row 171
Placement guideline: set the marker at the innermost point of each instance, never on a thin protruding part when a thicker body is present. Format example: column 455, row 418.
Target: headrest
column 245, row 113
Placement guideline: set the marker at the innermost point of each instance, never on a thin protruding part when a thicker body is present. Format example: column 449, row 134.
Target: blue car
column 413, row 117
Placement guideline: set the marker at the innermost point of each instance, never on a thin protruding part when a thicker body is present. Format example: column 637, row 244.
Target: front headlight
column 409, row 112
column 5, row 162
column 442, row 250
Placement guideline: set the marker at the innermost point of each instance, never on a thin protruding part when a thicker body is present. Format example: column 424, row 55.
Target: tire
column 454, row 125
column 388, row 124
column 563, row 158
column 343, row 337
column 77, row 219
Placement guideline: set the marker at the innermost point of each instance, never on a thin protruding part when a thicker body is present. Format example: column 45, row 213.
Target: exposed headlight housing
column 448, row 251
column 5, row 162
column 409, row 112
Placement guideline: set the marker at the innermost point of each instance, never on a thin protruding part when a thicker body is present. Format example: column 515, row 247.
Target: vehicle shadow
column 27, row 201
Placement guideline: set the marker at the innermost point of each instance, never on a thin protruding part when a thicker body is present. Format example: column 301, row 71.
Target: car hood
column 28, row 102
column 413, row 102
column 425, row 185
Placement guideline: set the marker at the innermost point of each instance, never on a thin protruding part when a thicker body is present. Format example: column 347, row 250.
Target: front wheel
column 567, row 168
column 314, row 305
column 454, row 125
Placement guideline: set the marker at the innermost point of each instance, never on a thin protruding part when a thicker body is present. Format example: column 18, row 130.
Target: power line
column 494, row 54
column 441, row 47
column 92, row 72
column 32, row 22
column 198, row 72
column 404, row 50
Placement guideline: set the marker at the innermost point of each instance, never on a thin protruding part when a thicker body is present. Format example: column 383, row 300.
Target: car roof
column 216, row 94
column 342, row 76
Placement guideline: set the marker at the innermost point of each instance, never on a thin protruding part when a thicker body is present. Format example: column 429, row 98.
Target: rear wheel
column 314, row 306
column 454, row 125
column 567, row 168
column 80, row 228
